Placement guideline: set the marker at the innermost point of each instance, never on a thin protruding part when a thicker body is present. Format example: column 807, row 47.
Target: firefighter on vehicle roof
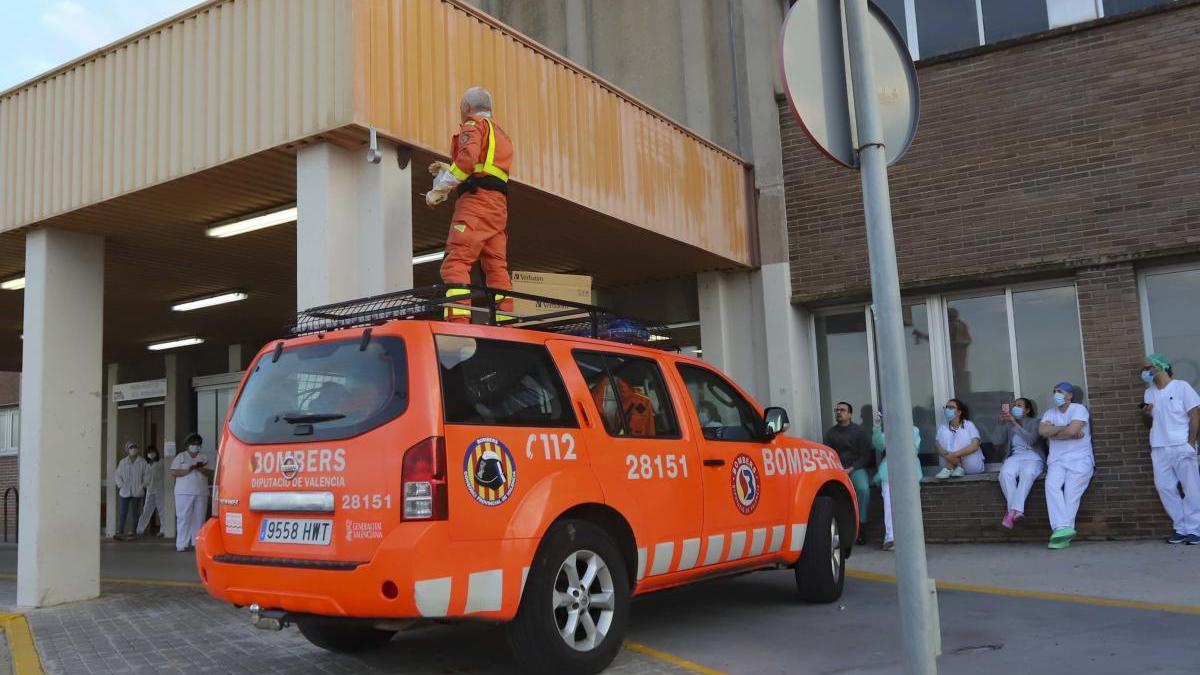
column 481, row 156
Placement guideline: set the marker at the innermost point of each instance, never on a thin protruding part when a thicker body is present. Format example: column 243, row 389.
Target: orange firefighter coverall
column 481, row 156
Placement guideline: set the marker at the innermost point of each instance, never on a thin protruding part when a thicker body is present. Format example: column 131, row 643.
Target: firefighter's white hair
column 475, row 100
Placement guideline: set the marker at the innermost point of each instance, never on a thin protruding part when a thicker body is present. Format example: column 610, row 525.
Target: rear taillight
column 424, row 480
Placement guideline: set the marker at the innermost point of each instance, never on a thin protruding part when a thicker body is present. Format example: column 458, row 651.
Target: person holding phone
column 192, row 472
column 1024, row 458
column 957, row 443
column 1171, row 409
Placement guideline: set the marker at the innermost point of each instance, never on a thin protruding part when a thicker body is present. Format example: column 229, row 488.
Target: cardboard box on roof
column 574, row 288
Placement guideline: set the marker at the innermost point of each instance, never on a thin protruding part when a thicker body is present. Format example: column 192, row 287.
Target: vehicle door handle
column 714, row 462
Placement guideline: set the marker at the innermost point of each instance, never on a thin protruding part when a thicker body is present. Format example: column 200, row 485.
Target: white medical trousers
column 1175, row 466
column 189, row 516
column 154, row 504
column 887, row 511
column 1016, row 479
column 1066, row 480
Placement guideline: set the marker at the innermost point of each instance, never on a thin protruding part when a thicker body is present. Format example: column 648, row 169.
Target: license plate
column 295, row 531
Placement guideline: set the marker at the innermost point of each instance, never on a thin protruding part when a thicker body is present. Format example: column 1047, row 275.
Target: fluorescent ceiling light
column 428, row 257
column 253, row 223
column 658, row 338
column 201, row 303
column 13, row 284
column 172, row 344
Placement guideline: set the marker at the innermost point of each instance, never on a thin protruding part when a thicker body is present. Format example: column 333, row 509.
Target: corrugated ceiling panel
column 224, row 80
column 576, row 137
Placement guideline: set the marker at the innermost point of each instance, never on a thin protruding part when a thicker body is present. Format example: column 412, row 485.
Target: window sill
column 9, row 452
column 985, row 477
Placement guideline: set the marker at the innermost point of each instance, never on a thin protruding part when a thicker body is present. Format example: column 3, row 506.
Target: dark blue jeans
column 124, row 505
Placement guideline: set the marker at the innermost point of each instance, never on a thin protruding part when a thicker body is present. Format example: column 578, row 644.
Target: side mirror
column 776, row 421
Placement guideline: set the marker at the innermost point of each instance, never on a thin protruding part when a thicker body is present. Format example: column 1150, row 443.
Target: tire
column 343, row 638
column 821, row 570
column 550, row 599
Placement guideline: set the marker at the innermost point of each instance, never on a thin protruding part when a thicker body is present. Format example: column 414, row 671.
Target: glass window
column 1049, row 349
column 1114, row 7
column 894, row 9
column 322, row 391
column 630, row 394
column 725, row 415
column 980, row 360
column 1067, row 12
column 945, row 26
column 920, row 374
column 499, row 383
column 1174, row 321
column 842, row 367
column 1004, row 19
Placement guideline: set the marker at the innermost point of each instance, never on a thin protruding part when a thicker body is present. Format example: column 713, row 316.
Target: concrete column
column 235, row 358
column 579, row 32
column 175, row 415
column 110, row 452
column 354, row 230
column 697, row 68
column 58, row 557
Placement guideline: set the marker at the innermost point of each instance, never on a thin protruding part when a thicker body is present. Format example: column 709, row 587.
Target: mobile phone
column 1004, row 408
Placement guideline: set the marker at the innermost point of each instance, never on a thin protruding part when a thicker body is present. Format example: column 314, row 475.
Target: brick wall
column 1059, row 153
column 1077, row 154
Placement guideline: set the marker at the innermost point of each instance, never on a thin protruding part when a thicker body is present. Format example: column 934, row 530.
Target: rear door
column 745, row 496
column 644, row 457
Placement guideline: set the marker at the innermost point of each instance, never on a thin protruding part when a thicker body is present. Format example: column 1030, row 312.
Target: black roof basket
column 430, row 302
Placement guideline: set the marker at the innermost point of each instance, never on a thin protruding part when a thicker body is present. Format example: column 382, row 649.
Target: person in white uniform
column 1171, row 409
column 131, row 488
column 881, row 476
column 1068, row 429
column 957, row 443
column 154, row 491
column 191, row 470
column 1024, row 458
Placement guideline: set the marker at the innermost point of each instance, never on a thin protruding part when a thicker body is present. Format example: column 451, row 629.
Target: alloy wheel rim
column 583, row 600
column 835, row 543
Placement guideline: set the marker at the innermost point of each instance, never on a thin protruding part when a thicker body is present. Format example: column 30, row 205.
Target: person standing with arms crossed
column 1067, row 428
column 1171, row 409
column 192, row 473
column 481, row 156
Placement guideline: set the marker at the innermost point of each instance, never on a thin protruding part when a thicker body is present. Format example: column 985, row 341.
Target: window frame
column 571, row 421
column 671, row 406
column 13, row 413
column 1144, row 295
column 760, row 427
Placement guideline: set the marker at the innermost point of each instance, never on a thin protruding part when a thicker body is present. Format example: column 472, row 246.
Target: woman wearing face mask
column 191, row 471
column 957, row 443
column 131, row 488
column 1024, row 460
column 154, row 492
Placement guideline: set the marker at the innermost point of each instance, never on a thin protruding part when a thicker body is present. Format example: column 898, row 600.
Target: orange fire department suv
column 375, row 476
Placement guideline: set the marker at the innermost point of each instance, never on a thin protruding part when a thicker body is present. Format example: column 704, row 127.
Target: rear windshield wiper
column 312, row 418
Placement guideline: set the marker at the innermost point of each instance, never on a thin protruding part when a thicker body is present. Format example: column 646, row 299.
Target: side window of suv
column 630, row 394
column 494, row 382
column 725, row 415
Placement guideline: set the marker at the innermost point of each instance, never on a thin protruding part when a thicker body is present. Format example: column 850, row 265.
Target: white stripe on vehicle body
column 432, row 596
column 797, row 543
column 758, row 541
column 737, row 545
column 485, row 591
column 687, row 557
column 716, row 544
column 663, row 553
column 777, row 533
column 641, row 564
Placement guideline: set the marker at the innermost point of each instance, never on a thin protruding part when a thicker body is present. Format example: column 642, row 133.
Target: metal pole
column 918, row 622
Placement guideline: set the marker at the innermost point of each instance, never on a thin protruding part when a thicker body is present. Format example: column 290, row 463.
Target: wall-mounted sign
column 137, row 391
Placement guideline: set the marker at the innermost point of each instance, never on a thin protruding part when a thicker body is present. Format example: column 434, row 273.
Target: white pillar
column 354, row 228
column 235, row 358
column 175, row 402
column 58, row 557
column 110, row 453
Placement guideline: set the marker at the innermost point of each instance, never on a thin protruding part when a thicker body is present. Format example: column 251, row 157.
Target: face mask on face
column 1018, row 412
column 132, row 452
column 193, row 449
column 950, row 413
column 1147, row 376
column 1059, row 398
column 152, row 457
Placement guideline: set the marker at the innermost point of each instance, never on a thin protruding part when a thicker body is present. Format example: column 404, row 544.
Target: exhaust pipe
column 267, row 619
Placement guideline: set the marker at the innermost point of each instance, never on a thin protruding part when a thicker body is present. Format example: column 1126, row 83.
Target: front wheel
column 575, row 606
column 344, row 638
column 821, row 570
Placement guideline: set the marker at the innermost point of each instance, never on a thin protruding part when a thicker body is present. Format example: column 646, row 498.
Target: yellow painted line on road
column 689, row 666
column 21, row 648
column 1038, row 595
column 154, row 582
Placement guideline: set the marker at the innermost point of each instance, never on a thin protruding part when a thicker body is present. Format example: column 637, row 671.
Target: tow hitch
column 267, row 619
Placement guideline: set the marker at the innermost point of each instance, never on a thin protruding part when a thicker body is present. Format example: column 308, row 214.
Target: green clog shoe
column 1061, row 538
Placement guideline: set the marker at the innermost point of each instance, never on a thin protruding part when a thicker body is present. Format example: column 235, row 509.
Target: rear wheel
column 576, row 603
column 821, row 570
column 345, row 638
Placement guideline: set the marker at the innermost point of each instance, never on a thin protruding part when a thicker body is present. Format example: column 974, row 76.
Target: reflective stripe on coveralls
column 488, row 167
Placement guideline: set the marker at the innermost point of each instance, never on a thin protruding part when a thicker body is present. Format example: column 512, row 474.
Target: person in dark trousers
column 853, row 446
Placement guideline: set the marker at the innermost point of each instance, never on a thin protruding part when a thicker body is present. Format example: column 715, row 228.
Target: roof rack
column 430, row 302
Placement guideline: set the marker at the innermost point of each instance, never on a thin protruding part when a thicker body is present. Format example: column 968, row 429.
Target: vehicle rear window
column 495, row 382
column 323, row 391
